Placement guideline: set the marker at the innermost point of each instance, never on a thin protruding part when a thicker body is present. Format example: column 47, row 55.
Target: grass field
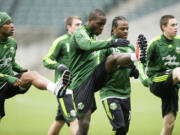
column 34, row 112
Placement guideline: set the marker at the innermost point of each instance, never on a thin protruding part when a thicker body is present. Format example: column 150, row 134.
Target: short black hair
column 95, row 13
column 164, row 20
column 115, row 20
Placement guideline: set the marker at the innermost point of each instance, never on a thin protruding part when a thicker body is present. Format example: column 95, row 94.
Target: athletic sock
column 133, row 57
column 51, row 87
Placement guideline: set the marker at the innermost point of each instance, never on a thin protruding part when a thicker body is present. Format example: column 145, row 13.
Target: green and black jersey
column 83, row 54
column 162, row 55
column 58, row 54
column 7, row 61
column 119, row 85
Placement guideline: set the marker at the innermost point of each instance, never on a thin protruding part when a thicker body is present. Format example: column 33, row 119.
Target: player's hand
column 66, row 77
column 62, row 68
column 141, row 46
column 134, row 72
column 119, row 42
column 18, row 82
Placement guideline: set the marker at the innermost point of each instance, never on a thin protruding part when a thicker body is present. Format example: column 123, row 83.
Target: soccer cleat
column 141, row 46
column 62, row 84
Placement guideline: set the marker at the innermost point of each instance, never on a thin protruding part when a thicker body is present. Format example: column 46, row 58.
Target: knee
column 170, row 125
column 83, row 127
column 176, row 75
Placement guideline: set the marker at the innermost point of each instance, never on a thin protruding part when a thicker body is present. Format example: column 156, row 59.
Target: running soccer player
column 88, row 76
column 11, row 84
column 57, row 59
column 163, row 70
column 115, row 95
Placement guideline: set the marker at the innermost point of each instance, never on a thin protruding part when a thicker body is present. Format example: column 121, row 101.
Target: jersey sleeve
column 50, row 60
column 8, row 78
column 84, row 42
column 16, row 67
column 142, row 75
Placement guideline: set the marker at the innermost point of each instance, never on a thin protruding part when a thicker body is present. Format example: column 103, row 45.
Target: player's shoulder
column 63, row 37
column 154, row 41
column 12, row 41
column 177, row 37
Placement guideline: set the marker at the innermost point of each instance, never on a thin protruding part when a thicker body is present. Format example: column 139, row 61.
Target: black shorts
column 84, row 94
column 164, row 88
column 118, row 113
column 66, row 110
column 8, row 91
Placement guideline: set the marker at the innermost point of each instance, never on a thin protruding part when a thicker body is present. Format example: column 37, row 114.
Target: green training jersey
column 58, row 54
column 83, row 54
column 119, row 85
column 162, row 55
column 7, row 61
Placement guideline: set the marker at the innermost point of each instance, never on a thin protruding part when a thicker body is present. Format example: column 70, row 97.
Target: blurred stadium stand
column 39, row 22
column 51, row 13
column 150, row 6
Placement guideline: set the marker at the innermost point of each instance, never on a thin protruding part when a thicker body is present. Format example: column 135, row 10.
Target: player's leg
column 126, row 59
column 117, row 114
column 84, row 123
column 33, row 78
column 176, row 75
column 168, row 124
column 56, row 127
column 74, row 127
column 66, row 111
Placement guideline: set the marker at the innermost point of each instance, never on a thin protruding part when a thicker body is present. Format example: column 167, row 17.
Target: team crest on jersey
column 5, row 46
column 113, row 106
column 73, row 113
column 80, row 106
column 12, row 50
column 178, row 50
column 170, row 46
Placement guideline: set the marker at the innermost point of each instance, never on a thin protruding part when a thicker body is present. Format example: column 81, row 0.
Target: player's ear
column 163, row 27
column 68, row 27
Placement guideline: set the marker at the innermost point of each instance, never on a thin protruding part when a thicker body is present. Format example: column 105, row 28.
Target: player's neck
column 168, row 37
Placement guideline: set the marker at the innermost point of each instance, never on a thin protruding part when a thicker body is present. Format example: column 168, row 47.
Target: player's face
column 7, row 29
column 76, row 23
column 121, row 31
column 97, row 25
column 171, row 29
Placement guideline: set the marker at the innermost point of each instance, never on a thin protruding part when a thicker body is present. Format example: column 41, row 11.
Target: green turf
column 34, row 112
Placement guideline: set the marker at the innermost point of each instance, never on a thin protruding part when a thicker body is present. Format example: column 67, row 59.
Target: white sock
column 133, row 57
column 51, row 87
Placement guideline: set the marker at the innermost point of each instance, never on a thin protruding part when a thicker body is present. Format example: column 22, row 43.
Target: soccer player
column 163, row 70
column 56, row 59
column 88, row 76
column 11, row 84
column 115, row 95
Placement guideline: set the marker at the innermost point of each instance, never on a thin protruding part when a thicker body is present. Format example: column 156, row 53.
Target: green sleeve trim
column 160, row 78
column 107, row 109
